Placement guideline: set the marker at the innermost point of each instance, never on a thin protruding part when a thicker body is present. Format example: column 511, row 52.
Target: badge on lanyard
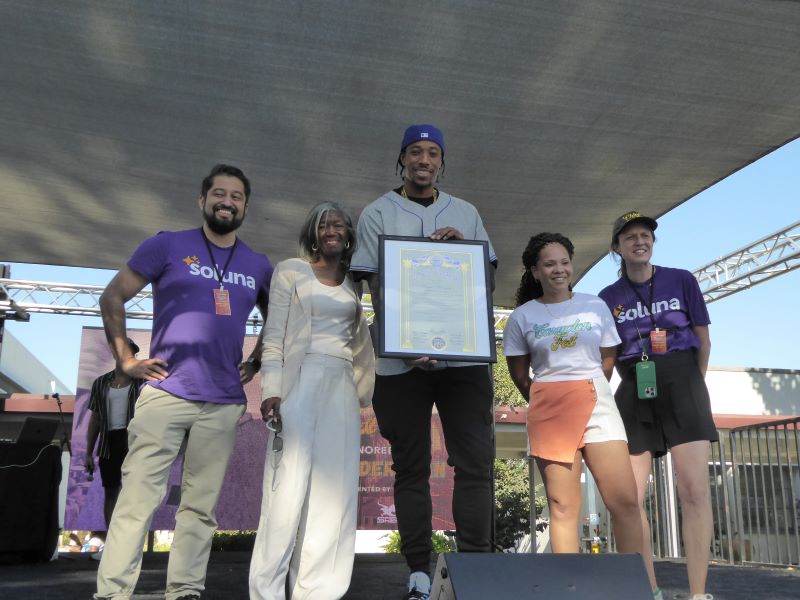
column 658, row 341
column 222, row 302
column 222, row 297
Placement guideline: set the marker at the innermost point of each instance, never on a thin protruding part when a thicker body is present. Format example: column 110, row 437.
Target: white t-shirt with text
column 563, row 339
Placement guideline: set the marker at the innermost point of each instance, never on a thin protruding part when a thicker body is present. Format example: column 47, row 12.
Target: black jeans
column 403, row 405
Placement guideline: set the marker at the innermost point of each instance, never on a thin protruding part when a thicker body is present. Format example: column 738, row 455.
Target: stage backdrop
column 240, row 501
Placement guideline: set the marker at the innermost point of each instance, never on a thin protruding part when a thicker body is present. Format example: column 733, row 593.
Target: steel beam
column 773, row 255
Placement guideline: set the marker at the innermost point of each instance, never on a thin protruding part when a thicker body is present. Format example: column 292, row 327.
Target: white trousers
column 305, row 544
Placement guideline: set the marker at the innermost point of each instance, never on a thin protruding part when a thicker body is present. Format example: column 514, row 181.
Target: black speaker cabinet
column 473, row 576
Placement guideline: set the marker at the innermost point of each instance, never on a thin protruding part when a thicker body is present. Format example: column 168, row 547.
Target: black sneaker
column 415, row 594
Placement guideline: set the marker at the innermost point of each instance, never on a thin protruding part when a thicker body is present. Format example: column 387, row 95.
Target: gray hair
column 309, row 233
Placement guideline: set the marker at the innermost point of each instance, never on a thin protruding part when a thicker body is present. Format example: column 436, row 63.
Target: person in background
column 93, row 543
column 663, row 322
column 112, row 402
column 569, row 341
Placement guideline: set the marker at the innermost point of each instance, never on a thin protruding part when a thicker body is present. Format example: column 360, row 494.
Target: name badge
column 658, row 341
column 222, row 302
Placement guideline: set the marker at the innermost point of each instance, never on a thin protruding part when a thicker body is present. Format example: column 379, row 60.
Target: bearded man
column 206, row 282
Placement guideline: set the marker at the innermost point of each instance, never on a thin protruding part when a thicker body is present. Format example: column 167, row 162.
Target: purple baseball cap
column 417, row 133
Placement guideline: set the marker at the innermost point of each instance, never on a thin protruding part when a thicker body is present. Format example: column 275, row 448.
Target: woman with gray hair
column 318, row 370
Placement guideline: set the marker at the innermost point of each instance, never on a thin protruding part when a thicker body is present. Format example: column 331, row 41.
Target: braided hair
column 530, row 288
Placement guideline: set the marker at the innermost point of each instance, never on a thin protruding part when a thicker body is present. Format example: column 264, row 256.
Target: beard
column 219, row 226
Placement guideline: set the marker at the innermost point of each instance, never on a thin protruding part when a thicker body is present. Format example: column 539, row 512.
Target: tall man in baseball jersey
column 205, row 283
column 405, row 391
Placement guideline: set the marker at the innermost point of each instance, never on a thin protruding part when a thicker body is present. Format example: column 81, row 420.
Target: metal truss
column 69, row 299
column 769, row 257
column 10, row 310
column 773, row 255
column 84, row 300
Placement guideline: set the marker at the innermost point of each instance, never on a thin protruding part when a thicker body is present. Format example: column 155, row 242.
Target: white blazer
column 288, row 334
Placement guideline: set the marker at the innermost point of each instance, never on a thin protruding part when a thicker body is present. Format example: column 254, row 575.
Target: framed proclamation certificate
column 435, row 300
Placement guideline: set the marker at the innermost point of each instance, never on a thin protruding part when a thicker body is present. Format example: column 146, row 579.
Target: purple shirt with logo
column 203, row 350
column 677, row 306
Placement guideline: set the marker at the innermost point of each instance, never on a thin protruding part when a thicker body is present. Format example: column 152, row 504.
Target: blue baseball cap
column 417, row 133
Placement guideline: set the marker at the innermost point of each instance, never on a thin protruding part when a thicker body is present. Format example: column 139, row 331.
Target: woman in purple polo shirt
column 663, row 322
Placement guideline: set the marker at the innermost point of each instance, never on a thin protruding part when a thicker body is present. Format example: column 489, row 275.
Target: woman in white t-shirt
column 569, row 341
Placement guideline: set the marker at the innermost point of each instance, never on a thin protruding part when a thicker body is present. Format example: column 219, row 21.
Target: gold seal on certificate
column 435, row 300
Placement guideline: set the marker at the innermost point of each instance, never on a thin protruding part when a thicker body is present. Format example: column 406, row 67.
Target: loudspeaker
column 474, row 576
column 37, row 431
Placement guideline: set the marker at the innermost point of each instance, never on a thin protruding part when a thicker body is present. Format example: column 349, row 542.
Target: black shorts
column 111, row 467
column 681, row 413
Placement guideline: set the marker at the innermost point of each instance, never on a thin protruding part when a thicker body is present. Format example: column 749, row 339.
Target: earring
column 314, row 247
column 347, row 245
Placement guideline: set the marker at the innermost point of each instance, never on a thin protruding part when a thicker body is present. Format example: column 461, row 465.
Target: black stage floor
column 375, row 577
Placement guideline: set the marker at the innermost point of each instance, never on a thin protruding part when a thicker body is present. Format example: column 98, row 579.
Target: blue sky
column 749, row 329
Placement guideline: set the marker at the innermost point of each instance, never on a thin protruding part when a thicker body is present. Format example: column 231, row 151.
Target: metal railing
column 754, row 477
column 766, row 475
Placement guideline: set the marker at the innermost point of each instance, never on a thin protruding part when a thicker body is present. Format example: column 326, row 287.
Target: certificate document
column 435, row 300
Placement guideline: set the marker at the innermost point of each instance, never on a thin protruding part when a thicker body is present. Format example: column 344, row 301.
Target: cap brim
column 652, row 224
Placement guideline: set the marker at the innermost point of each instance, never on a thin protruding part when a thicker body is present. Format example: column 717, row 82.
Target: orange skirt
column 558, row 412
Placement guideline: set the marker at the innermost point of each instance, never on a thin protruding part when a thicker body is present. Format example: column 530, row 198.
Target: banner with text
column 240, row 501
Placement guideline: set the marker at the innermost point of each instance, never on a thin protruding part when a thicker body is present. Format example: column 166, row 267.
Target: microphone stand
column 64, row 436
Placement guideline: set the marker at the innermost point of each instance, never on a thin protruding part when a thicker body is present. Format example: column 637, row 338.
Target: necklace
column 118, row 384
column 567, row 306
column 404, row 195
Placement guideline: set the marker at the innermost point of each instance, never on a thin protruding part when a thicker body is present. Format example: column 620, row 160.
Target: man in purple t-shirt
column 205, row 284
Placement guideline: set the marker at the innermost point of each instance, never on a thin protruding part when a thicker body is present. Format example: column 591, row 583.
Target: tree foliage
column 512, row 491
column 441, row 543
column 505, row 392
column 512, row 501
column 233, row 541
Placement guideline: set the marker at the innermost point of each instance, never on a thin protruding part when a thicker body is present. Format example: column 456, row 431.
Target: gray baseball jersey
column 391, row 214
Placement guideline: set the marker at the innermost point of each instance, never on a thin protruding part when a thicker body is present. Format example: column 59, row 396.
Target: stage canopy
column 558, row 115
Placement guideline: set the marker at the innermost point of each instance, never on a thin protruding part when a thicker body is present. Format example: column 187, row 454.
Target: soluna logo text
column 230, row 277
column 642, row 311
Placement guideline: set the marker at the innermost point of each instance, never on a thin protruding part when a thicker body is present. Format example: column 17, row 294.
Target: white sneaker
column 419, row 586
column 702, row 597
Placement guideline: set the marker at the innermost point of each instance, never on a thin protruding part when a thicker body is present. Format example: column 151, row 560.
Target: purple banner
column 240, row 501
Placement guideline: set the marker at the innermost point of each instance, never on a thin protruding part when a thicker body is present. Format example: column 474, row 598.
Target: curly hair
column 309, row 233
column 530, row 288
